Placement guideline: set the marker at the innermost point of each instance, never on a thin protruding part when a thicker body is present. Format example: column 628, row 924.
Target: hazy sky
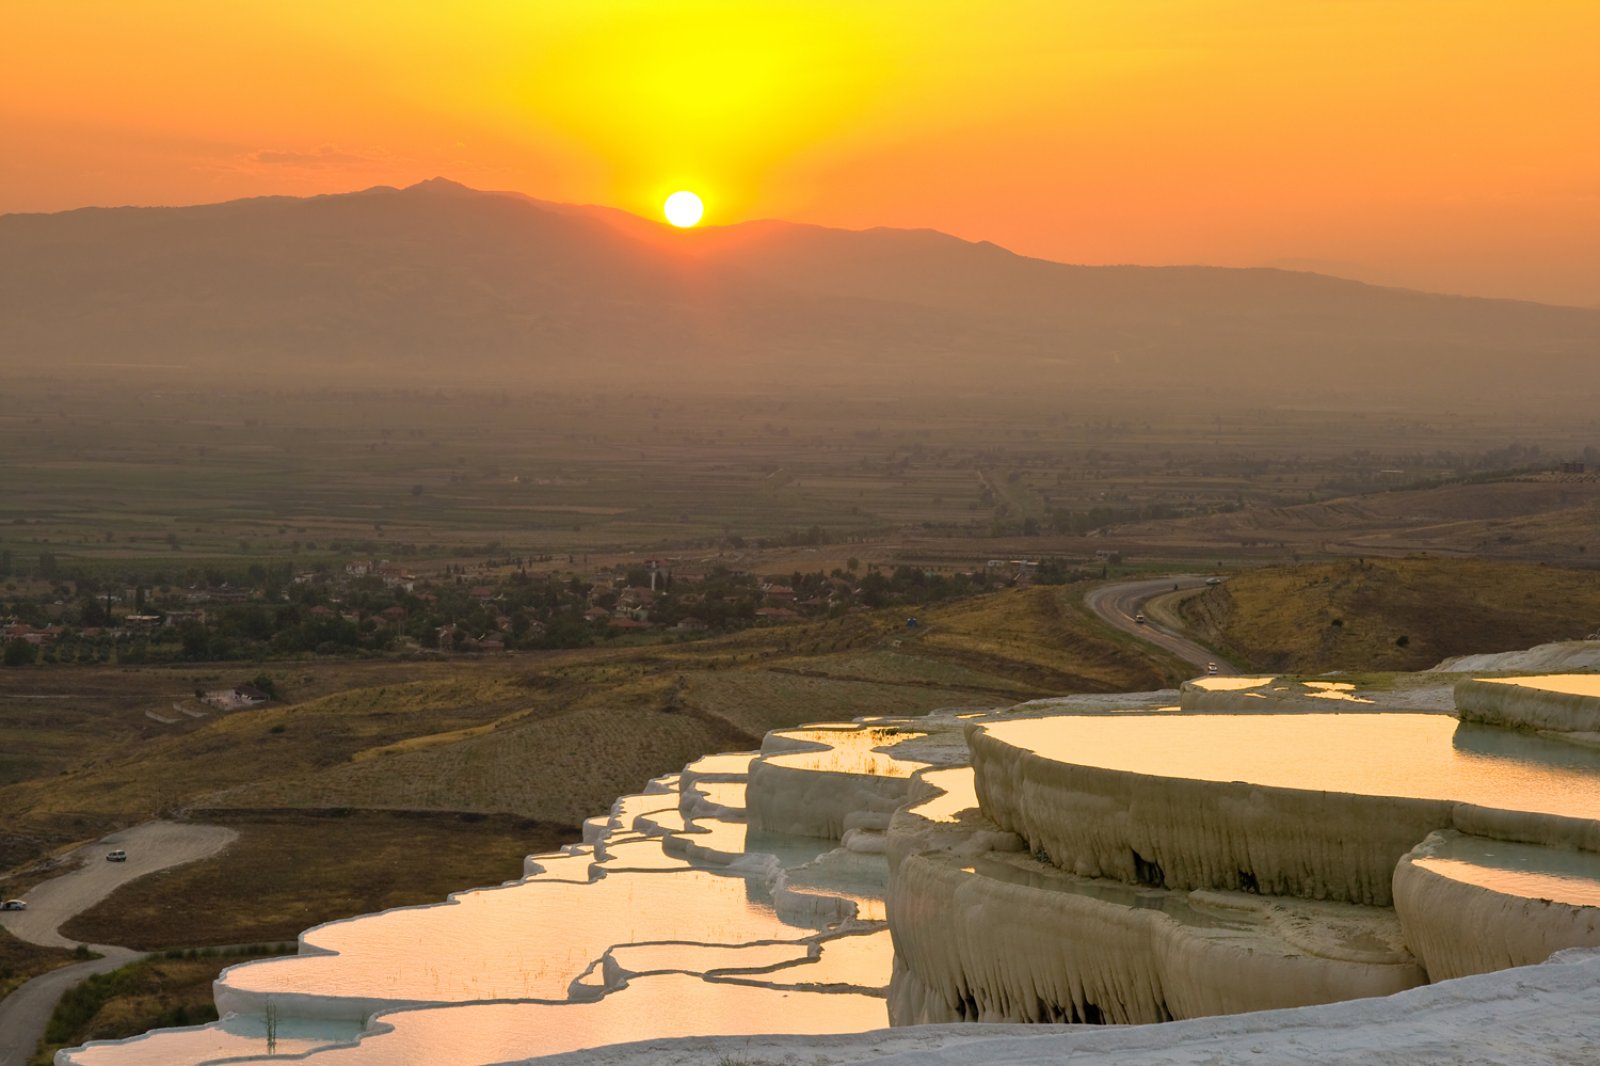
column 1443, row 144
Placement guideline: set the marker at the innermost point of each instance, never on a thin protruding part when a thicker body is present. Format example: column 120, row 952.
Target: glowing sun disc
column 683, row 209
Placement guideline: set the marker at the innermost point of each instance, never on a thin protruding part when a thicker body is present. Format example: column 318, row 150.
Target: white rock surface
column 1561, row 703
column 678, row 917
column 1316, row 806
column 1556, row 658
column 1001, row 936
column 1533, row 1016
column 1469, row 905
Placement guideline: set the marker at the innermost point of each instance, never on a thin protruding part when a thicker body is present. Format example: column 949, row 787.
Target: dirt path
column 150, row 847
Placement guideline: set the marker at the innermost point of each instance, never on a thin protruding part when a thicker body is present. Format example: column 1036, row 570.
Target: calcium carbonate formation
column 1262, row 844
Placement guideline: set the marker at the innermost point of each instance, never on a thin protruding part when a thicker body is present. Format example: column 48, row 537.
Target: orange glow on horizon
column 1451, row 145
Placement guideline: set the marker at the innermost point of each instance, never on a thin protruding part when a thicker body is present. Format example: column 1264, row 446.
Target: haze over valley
column 437, row 284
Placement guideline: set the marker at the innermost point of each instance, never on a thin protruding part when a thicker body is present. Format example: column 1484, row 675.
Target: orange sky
column 1443, row 144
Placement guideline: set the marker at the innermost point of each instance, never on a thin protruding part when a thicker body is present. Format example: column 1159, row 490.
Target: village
column 378, row 607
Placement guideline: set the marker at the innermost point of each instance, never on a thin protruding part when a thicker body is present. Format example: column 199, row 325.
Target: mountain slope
column 438, row 281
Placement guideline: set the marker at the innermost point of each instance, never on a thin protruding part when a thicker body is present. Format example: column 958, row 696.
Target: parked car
column 14, row 905
column 117, row 856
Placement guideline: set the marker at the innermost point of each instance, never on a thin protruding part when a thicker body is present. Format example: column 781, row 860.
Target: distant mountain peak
column 440, row 185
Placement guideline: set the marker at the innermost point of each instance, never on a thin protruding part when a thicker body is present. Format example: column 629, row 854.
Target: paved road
column 25, row 1012
column 150, row 847
column 1119, row 603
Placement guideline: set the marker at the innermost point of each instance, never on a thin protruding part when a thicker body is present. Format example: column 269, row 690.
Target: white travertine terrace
column 1560, row 703
column 985, row 932
column 1471, row 905
column 1096, row 861
column 824, row 781
column 1314, row 805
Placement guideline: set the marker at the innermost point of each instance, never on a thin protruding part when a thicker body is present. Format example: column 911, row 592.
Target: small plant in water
column 271, row 1018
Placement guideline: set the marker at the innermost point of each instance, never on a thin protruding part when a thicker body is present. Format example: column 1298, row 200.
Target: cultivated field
column 136, row 471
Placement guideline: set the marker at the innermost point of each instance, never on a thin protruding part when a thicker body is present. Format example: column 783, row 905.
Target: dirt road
column 1120, row 605
column 150, row 847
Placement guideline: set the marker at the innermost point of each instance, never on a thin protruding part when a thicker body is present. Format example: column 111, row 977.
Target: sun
column 683, row 209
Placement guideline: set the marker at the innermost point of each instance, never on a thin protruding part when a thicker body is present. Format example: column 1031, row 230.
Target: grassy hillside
column 1392, row 614
column 300, row 871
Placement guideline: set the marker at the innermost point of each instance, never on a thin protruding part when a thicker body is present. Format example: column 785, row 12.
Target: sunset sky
column 1451, row 145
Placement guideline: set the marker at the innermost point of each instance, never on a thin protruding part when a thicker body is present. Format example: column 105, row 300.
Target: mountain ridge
column 502, row 283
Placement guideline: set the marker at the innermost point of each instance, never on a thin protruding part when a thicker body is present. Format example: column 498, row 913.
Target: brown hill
column 440, row 282
column 1392, row 614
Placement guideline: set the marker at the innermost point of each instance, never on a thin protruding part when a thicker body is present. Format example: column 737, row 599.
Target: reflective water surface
column 677, row 919
column 649, row 1008
column 1555, row 874
column 1230, row 684
column 960, row 793
column 855, row 751
column 1334, row 690
column 1387, row 754
column 1571, row 684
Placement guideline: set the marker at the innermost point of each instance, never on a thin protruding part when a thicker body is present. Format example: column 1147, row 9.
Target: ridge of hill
column 441, row 282
column 1391, row 614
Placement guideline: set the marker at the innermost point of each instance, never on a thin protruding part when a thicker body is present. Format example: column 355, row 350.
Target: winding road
column 152, row 846
column 1119, row 603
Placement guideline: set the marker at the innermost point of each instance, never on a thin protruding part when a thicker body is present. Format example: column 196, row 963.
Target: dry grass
column 1044, row 638
column 761, row 700
column 561, row 768
column 552, row 737
column 21, row 962
column 138, row 997
column 170, row 770
column 1352, row 614
column 289, row 871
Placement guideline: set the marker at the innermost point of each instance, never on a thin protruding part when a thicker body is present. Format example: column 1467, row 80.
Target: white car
column 1139, row 618
column 1211, row 668
column 117, row 856
column 14, row 905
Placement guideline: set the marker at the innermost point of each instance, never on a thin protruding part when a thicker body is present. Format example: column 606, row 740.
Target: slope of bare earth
column 1549, row 517
column 547, row 736
column 624, row 722
column 1391, row 614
